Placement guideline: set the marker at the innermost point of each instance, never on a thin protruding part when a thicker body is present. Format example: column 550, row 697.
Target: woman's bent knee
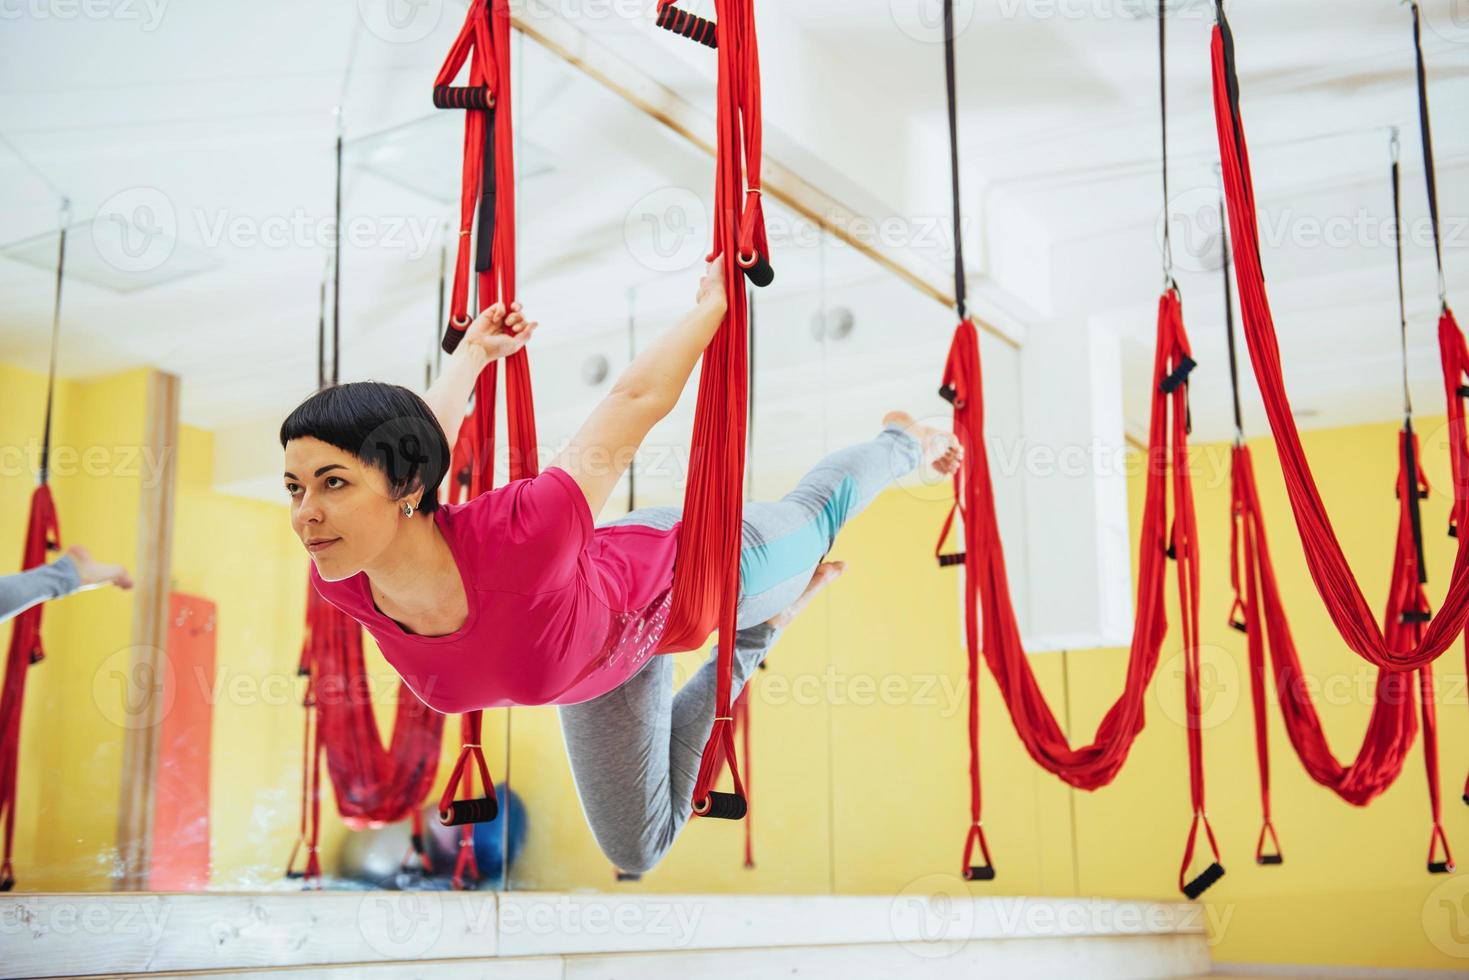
column 635, row 855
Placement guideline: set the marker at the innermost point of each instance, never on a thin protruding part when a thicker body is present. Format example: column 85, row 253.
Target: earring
column 408, row 509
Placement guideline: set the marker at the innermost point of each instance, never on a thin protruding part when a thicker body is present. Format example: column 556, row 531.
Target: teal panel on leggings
column 764, row 566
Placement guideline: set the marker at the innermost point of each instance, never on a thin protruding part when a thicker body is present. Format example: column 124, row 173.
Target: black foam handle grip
column 480, row 810
column 629, row 875
column 1201, row 884
column 1416, row 616
column 7, row 883
column 452, row 336
column 1463, row 391
column 1466, row 798
column 694, row 28
column 949, row 394
column 1179, row 376
column 1453, row 528
column 1439, row 867
column 1270, row 859
column 289, row 874
column 759, row 272
column 957, row 558
column 417, row 841
column 980, row 872
column 725, row 806
column 462, row 97
column 1240, row 625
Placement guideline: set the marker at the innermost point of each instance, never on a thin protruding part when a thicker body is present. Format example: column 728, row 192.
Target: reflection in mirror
column 219, row 726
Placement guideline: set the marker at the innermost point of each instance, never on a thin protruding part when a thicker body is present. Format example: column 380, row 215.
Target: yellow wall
column 861, row 792
column 72, row 734
column 859, row 769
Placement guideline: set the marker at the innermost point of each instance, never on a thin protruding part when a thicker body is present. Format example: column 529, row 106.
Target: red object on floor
column 179, row 858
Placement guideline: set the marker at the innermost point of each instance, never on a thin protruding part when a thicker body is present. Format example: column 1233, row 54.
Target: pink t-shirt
column 559, row 611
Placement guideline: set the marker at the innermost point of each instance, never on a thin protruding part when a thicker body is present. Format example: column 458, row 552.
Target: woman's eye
column 291, row 488
column 337, row 478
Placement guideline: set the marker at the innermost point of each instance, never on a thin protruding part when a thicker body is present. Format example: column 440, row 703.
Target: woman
column 72, row 572
column 515, row 598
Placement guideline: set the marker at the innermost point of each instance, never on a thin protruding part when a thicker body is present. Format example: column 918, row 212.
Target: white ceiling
column 219, row 125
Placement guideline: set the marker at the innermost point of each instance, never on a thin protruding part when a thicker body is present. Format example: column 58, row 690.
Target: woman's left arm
column 491, row 336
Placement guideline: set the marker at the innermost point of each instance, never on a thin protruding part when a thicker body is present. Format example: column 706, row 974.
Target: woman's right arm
column 642, row 396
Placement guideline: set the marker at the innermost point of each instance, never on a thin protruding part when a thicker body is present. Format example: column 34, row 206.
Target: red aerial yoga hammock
column 488, row 187
column 1392, row 726
column 43, row 534
column 990, row 625
column 706, row 574
column 373, row 785
column 1452, row 349
column 1349, row 610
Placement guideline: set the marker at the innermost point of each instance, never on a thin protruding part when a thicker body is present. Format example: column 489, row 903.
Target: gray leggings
column 23, row 590
column 635, row 750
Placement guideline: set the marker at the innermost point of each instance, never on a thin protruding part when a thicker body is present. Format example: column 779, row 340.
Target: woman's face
column 340, row 507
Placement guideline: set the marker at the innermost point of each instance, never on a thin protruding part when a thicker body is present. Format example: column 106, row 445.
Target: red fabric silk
column 484, row 44
column 1392, row 725
column 43, row 534
column 706, row 573
column 374, row 785
column 1329, row 569
column 990, row 625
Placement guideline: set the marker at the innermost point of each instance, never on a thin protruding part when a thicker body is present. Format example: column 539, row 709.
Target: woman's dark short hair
column 386, row 426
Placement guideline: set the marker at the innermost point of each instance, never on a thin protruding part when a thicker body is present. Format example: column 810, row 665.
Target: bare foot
column 826, row 573
column 941, row 449
column 97, row 573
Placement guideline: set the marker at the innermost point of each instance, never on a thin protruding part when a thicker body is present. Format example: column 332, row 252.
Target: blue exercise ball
column 443, row 842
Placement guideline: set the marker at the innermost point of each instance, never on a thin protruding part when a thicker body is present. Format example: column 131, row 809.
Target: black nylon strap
column 632, row 353
column 1231, row 85
column 321, row 336
column 337, row 273
column 954, row 157
column 484, row 249
column 439, row 323
column 1426, row 130
column 1397, row 217
column 1163, row 116
column 1410, row 461
column 1415, row 513
column 1239, row 425
column 55, row 342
